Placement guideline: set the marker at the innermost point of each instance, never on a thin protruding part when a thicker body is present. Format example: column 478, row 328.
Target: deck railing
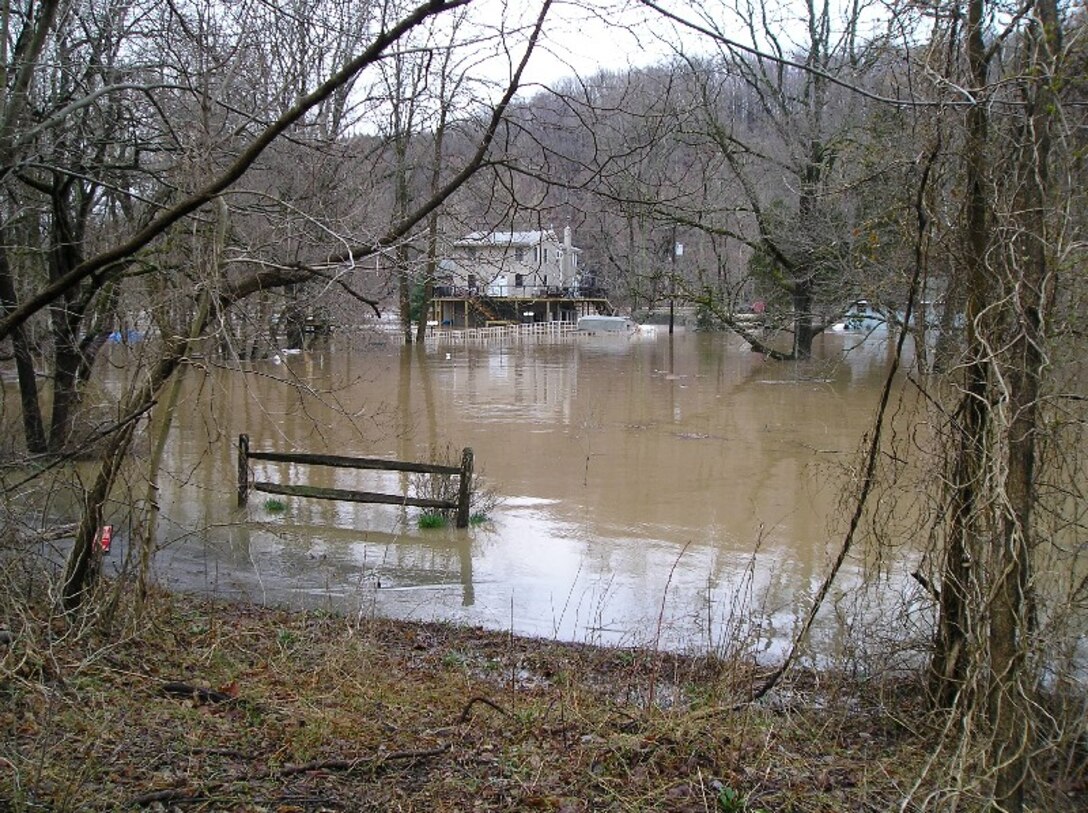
column 502, row 290
column 446, row 335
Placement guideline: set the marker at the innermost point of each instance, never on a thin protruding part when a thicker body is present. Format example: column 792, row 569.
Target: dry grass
column 325, row 714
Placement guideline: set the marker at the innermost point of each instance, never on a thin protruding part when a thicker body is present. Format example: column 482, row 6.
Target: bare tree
column 996, row 114
column 158, row 195
column 1013, row 233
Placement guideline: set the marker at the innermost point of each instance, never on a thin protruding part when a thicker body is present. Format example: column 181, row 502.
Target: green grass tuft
column 274, row 505
column 432, row 521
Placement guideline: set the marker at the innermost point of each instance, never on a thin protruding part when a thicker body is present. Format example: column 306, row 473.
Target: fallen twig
column 197, row 693
column 166, row 795
column 184, row 795
column 474, row 700
column 343, row 764
column 220, row 752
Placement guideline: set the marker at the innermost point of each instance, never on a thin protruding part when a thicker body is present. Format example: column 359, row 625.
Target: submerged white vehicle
column 862, row 318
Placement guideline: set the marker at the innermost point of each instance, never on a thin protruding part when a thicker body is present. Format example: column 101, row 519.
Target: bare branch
column 235, row 171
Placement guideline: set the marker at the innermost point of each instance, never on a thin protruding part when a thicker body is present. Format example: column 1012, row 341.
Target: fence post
column 463, row 492
column 243, row 469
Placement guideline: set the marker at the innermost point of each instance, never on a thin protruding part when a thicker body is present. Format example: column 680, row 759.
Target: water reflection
column 667, row 490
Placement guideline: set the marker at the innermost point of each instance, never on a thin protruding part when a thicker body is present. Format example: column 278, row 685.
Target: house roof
column 512, row 239
column 505, row 238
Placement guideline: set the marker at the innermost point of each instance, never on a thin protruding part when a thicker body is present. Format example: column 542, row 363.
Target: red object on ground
column 105, row 537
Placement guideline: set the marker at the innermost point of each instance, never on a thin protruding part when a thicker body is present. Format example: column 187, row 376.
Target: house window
column 519, row 255
column 472, row 282
column 519, row 280
column 545, row 256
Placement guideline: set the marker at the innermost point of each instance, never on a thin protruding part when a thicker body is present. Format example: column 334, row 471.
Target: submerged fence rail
column 460, row 505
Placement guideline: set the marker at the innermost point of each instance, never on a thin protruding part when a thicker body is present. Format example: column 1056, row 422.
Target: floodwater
column 678, row 492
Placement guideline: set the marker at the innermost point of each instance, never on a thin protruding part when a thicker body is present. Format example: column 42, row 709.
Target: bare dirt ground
column 198, row 706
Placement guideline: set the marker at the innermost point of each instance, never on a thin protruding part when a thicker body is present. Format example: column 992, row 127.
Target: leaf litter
column 196, row 705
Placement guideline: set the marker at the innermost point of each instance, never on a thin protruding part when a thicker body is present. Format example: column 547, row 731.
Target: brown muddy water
column 681, row 493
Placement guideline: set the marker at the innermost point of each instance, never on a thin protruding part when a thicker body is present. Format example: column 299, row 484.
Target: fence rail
column 461, row 505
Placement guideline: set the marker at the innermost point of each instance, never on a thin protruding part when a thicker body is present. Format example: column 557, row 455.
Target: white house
column 514, row 277
column 513, row 264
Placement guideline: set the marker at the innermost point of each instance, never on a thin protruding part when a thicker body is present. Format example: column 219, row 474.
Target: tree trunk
column 1014, row 608
column 432, row 226
column 294, row 322
column 428, row 281
column 68, row 216
column 987, row 608
column 79, row 574
column 404, row 282
column 80, row 571
column 803, row 332
column 33, row 426
column 66, row 365
column 951, row 654
column 404, row 293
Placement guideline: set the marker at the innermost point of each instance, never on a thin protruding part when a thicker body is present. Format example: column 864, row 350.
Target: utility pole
column 677, row 251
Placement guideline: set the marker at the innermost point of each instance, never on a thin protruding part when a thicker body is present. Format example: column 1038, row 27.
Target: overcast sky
column 585, row 38
column 580, row 36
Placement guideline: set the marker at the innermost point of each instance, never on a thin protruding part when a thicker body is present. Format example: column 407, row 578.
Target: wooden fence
column 461, row 505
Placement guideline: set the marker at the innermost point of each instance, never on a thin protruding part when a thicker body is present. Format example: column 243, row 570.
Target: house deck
column 453, row 307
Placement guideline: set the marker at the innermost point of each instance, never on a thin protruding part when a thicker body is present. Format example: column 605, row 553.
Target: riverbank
column 211, row 706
